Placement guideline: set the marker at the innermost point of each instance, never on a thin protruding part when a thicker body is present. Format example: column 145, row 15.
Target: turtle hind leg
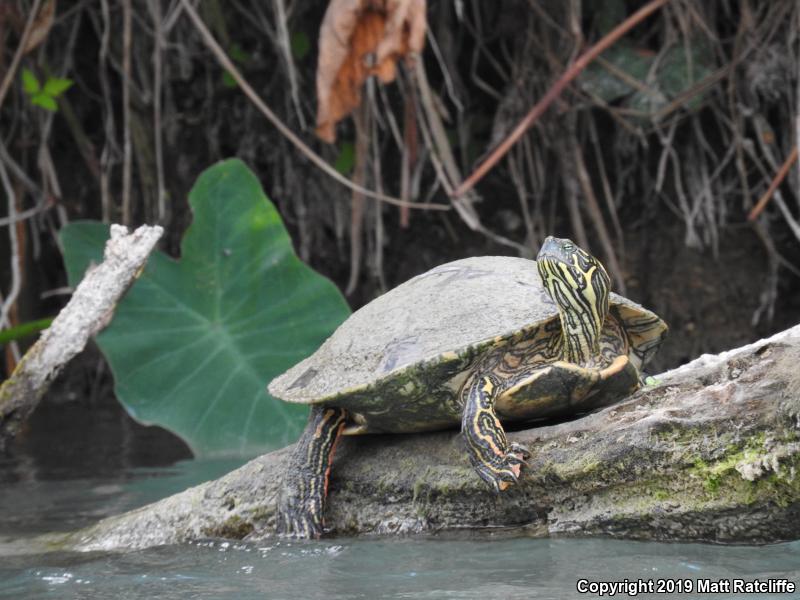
column 301, row 502
column 496, row 461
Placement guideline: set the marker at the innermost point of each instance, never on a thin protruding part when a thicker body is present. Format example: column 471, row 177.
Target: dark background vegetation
column 652, row 158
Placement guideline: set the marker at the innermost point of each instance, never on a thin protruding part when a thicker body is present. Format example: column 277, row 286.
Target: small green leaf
column 195, row 341
column 238, row 54
column 24, row 330
column 55, row 86
column 227, row 80
column 29, row 82
column 45, row 101
column 346, row 159
column 300, row 44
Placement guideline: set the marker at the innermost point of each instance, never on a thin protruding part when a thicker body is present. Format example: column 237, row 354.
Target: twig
column 22, row 215
column 87, row 312
column 516, row 172
column 127, row 163
column 608, row 196
column 441, row 153
column 555, row 91
column 444, row 163
column 44, row 158
column 23, row 41
column 781, row 175
column 363, row 127
column 285, row 47
column 596, row 215
column 14, row 358
column 443, row 69
column 85, row 145
column 408, row 148
column 797, row 108
column 107, row 156
column 16, row 275
column 442, row 158
column 793, row 223
column 377, row 176
column 571, row 193
column 315, row 158
column 20, row 174
column 158, row 35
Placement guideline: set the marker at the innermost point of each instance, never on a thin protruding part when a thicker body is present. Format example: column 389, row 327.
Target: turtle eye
column 569, row 247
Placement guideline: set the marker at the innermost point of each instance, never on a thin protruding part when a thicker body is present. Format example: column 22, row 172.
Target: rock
column 710, row 453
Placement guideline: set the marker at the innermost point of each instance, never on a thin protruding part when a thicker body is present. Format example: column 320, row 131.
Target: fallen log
column 710, row 453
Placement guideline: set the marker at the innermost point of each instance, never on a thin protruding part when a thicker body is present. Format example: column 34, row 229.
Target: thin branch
column 109, row 153
column 363, row 125
column 595, row 213
column 555, row 91
column 23, row 215
column 315, row 158
column 18, row 172
column 286, row 50
column 23, row 41
column 779, row 177
column 89, row 310
column 127, row 163
column 16, row 275
column 797, row 109
column 158, row 35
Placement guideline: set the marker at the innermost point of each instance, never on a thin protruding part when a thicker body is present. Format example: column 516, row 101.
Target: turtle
column 472, row 343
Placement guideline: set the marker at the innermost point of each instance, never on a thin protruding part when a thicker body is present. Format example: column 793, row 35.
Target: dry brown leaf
column 359, row 38
column 41, row 26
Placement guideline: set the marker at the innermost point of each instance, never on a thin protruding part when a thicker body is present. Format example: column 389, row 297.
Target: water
column 387, row 568
column 43, row 489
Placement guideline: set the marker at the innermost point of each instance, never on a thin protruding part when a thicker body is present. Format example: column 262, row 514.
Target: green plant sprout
column 44, row 95
column 241, row 58
column 23, row 330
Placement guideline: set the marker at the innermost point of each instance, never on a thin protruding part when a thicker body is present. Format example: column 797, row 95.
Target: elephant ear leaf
column 195, row 341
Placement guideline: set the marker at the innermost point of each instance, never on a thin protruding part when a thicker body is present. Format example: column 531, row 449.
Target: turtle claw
column 499, row 480
column 520, row 451
column 294, row 525
column 501, row 474
column 299, row 517
column 496, row 461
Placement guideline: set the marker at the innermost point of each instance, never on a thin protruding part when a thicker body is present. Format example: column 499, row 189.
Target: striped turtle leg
column 302, row 497
column 496, row 461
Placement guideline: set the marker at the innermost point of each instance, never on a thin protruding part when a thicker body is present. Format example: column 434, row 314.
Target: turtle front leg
column 496, row 461
column 301, row 502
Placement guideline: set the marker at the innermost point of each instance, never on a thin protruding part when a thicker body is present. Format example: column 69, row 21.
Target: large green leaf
column 608, row 86
column 678, row 70
column 194, row 342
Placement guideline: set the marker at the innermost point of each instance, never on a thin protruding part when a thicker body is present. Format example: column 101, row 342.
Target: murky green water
column 58, row 488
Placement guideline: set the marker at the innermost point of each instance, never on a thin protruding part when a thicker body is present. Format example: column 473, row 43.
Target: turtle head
column 579, row 285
